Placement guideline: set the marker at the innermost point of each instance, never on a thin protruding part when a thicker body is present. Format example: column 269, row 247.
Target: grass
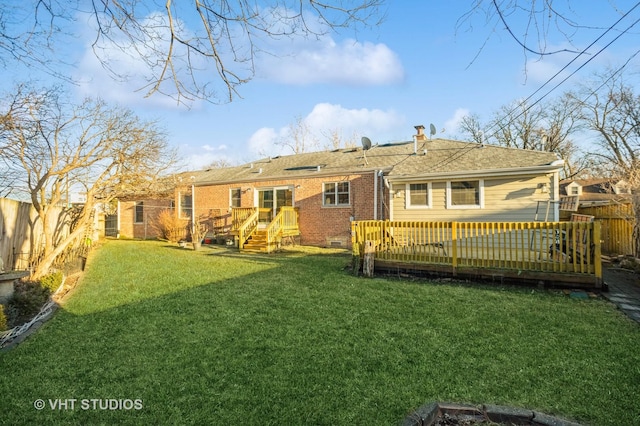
column 215, row 337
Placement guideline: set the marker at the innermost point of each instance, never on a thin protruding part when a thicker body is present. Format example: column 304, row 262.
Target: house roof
column 596, row 190
column 432, row 159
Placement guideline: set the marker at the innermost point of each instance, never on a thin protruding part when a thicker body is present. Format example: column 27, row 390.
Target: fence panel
column 617, row 221
column 547, row 247
column 21, row 233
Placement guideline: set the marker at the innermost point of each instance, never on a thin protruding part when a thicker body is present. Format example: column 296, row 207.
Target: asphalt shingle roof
column 397, row 159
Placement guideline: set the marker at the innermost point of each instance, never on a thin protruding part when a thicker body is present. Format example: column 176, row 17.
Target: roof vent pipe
column 415, row 144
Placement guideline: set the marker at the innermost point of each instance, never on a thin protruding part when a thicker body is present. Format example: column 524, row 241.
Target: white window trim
column 335, row 183
column 231, row 196
column 407, row 198
column 466, row 206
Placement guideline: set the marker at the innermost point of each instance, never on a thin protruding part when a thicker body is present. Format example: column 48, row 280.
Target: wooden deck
column 267, row 238
column 563, row 253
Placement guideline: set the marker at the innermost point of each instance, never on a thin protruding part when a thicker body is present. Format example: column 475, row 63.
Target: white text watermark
column 59, row 404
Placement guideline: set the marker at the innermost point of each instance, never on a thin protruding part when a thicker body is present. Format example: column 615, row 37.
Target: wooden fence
column 553, row 252
column 617, row 223
column 21, row 233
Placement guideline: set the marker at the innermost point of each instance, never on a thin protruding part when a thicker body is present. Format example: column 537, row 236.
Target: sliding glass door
column 271, row 199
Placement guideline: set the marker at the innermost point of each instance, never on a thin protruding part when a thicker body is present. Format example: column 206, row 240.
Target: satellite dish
column 366, row 143
column 432, row 129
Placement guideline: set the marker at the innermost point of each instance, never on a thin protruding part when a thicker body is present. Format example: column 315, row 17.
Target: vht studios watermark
column 88, row 404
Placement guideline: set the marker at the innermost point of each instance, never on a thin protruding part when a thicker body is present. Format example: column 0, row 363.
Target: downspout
column 375, row 195
column 193, row 205
column 390, row 199
column 556, row 196
column 381, row 204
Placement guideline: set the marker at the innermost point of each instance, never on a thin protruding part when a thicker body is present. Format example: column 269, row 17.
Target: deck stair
column 267, row 238
column 258, row 242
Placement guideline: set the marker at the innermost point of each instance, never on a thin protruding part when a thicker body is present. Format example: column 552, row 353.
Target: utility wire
column 527, row 108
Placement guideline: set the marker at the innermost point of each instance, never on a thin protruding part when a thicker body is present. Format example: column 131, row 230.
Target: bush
column 170, row 227
column 3, row 319
column 52, row 281
column 28, row 298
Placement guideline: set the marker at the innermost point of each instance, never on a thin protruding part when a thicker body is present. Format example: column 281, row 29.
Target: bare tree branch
column 203, row 49
column 51, row 145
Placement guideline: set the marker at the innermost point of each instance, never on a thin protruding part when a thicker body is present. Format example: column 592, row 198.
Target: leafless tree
column 612, row 111
column 336, row 140
column 543, row 127
column 103, row 152
column 220, row 163
column 471, row 125
column 299, row 138
column 535, row 27
column 179, row 43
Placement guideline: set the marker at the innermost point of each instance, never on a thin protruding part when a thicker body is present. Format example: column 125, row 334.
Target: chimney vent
column 420, row 136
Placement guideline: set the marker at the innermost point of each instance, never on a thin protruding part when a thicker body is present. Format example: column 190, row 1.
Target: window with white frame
column 418, row 195
column 465, row 194
column 139, row 212
column 235, row 196
column 335, row 194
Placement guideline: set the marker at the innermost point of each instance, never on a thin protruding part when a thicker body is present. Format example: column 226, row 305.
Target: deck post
column 368, row 261
column 597, row 256
column 454, row 247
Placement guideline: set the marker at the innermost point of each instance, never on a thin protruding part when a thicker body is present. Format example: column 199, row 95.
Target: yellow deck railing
column 247, row 228
column 570, row 248
column 239, row 215
column 285, row 223
column 246, row 221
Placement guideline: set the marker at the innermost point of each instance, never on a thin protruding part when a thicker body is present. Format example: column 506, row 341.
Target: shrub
column 3, row 319
column 28, row 298
column 52, row 281
column 170, row 227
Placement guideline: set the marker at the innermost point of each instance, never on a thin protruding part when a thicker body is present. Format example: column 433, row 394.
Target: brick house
column 422, row 179
column 136, row 218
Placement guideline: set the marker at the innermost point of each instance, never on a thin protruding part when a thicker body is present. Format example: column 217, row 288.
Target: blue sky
column 422, row 65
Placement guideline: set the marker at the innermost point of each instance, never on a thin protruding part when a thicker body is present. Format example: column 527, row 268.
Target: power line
column 527, row 108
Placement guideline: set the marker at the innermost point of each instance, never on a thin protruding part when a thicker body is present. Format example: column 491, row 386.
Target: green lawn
column 215, row 337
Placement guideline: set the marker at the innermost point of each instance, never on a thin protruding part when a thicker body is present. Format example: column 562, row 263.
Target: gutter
column 514, row 171
column 291, row 177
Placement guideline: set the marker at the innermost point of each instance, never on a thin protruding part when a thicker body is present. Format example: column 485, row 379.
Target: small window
column 336, row 194
column 185, row 205
column 574, row 190
column 465, row 194
column 418, row 195
column 236, row 197
column 139, row 212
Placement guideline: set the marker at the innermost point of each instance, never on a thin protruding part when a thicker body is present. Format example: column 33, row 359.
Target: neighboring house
column 418, row 180
column 595, row 192
column 136, row 218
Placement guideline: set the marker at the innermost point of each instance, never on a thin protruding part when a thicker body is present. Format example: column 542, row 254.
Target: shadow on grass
column 293, row 339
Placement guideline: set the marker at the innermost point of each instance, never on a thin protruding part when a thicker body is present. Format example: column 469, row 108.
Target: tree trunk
column 47, row 260
column 369, row 256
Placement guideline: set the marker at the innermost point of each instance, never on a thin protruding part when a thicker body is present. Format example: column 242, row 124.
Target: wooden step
column 257, row 242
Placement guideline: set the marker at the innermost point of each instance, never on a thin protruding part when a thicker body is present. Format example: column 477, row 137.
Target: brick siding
column 319, row 225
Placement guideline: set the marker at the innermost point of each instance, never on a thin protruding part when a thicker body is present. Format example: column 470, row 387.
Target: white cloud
column 211, row 148
column 349, row 62
column 324, row 118
column 116, row 69
column 452, row 125
column 263, row 142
